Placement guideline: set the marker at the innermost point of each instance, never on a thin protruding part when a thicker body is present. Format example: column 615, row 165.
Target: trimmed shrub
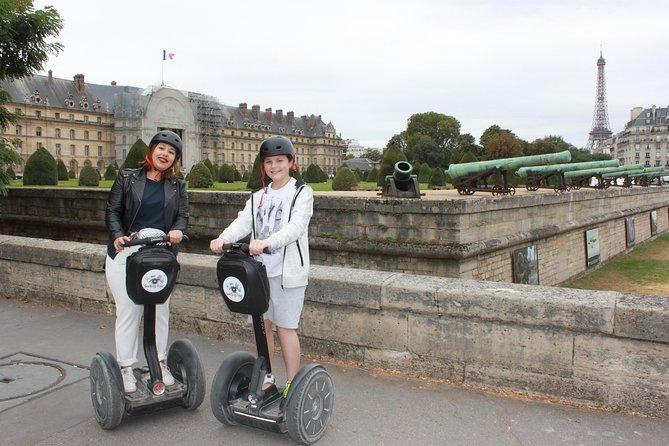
column 136, row 155
column 62, row 171
column 344, row 180
column 238, row 176
column 40, row 169
column 246, row 175
column 425, row 174
column 373, row 175
column 314, row 174
column 212, row 169
column 71, row 174
column 110, row 173
column 89, row 176
column 10, row 173
column 438, row 178
column 226, row 174
column 200, row 177
column 390, row 157
column 254, row 181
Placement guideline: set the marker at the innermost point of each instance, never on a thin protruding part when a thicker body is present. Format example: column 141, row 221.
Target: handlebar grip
column 152, row 240
column 244, row 247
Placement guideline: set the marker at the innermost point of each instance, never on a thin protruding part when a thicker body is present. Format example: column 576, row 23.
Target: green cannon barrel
column 655, row 171
column 603, row 170
column 524, row 171
column 459, row 170
column 402, row 175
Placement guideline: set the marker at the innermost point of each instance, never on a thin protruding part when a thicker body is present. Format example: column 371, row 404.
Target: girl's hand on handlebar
column 175, row 236
column 256, row 247
column 118, row 243
column 216, row 245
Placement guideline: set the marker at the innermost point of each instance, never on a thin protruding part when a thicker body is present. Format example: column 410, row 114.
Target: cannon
column 401, row 184
column 577, row 179
column 471, row 177
column 551, row 176
column 640, row 177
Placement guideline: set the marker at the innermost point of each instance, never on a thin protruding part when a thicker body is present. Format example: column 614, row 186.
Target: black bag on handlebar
column 151, row 274
column 243, row 283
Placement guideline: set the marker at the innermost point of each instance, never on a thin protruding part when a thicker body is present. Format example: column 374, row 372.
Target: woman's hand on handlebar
column 257, row 247
column 175, row 236
column 119, row 242
column 216, row 245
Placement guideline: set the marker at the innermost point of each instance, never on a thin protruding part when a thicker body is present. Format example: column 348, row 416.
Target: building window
column 58, row 150
column 19, row 130
column 87, row 152
column 85, row 118
column 99, row 120
column 38, row 145
column 85, row 134
column 99, row 136
column 72, row 150
column 123, row 139
column 56, row 115
column 99, row 151
column 71, row 133
column 71, row 117
column 38, row 131
column 38, row 114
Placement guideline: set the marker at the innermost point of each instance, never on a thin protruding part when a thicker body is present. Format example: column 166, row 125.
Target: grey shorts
column 285, row 304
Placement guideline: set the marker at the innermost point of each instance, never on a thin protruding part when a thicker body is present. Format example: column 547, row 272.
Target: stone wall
column 470, row 237
column 603, row 348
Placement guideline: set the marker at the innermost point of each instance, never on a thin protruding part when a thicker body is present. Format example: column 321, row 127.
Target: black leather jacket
column 125, row 199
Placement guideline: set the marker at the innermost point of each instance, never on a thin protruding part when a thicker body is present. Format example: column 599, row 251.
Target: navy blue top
column 151, row 212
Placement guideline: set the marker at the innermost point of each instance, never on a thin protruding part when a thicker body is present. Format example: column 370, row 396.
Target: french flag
column 167, row 56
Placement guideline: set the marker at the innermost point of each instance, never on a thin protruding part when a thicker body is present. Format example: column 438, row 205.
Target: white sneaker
column 267, row 382
column 168, row 379
column 129, row 381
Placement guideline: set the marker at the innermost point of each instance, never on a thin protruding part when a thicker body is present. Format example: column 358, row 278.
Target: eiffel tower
column 600, row 121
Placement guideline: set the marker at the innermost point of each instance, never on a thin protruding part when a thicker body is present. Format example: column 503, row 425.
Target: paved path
column 46, row 400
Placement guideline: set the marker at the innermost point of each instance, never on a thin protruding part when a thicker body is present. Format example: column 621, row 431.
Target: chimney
column 291, row 118
column 113, row 83
column 242, row 109
column 279, row 115
column 635, row 112
column 79, row 83
column 255, row 110
column 50, row 80
column 268, row 114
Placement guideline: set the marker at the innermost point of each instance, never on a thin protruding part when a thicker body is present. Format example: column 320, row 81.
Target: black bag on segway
column 243, row 283
column 151, row 274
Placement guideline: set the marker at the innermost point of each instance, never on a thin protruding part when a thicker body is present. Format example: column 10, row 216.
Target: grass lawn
column 645, row 270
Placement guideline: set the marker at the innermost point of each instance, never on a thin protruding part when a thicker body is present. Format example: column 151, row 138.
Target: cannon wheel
column 511, row 190
column 497, row 190
column 531, row 187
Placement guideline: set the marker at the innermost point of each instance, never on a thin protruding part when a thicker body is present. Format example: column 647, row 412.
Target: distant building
column 363, row 164
column 645, row 139
column 80, row 123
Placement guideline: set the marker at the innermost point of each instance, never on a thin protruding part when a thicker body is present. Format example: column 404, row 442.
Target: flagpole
column 162, row 71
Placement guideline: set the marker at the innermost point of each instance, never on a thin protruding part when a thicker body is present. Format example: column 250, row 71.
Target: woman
column 148, row 197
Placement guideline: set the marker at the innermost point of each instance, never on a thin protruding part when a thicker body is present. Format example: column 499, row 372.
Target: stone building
column 79, row 123
column 644, row 140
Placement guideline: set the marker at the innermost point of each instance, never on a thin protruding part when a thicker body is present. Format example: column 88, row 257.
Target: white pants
column 129, row 314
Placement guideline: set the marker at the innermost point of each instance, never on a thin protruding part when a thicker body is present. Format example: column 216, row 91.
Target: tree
column 226, row 174
column 465, row 145
column 89, row 176
column 390, row 157
column 62, row 171
column 212, row 170
column 136, row 155
column 373, row 175
column 314, row 174
column 110, row 173
column 504, row 145
column 23, row 51
column 424, row 174
column 255, row 181
column 40, row 169
column 344, row 180
column 437, row 178
column 442, row 130
column 491, row 132
column 372, row 154
column 199, row 177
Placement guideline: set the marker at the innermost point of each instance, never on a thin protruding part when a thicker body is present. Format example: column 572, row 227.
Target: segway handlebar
column 152, row 240
column 244, row 247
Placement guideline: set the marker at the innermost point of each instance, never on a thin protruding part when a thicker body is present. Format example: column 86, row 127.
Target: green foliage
column 358, row 174
column 110, row 173
column 315, row 174
column 255, row 181
column 437, row 178
column 504, row 145
column 89, row 176
column 372, row 154
column 23, row 37
column 226, row 174
column 430, row 137
column 238, row 176
column 40, row 169
column 200, row 177
column 10, row 173
column 136, row 155
column 344, row 180
column 71, row 173
column 373, row 175
column 296, row 174
column 465, row 146
column 212, row 169
column 581, row 156
column 468, row 157
column 390, row 157
column 62, row 171
column 491, row 132
column 424, row 174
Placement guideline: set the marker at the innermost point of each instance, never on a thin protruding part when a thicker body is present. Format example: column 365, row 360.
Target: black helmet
column 277, row 145
column 170, row 138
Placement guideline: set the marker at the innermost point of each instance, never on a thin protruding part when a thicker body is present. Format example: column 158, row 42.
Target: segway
column 151, row 276
column 237, row 395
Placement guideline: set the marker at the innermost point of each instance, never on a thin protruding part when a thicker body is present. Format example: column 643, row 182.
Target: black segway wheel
column 231, row 383
column 106, row 392
column 185, row 365
column 309, row 408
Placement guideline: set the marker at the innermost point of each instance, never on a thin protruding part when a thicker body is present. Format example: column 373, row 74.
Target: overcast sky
column 368, row 65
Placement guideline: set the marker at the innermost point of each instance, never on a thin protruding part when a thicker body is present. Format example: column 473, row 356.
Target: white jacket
column 293, row 236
